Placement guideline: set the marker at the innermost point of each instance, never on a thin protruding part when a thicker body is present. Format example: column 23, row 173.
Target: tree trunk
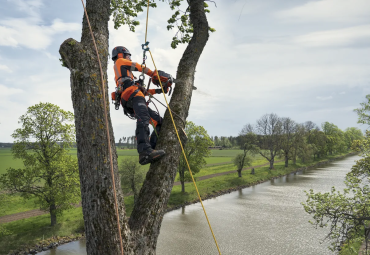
column 272, row 164
column 242, row 163
column 53, row 216
column 272, row 159
column 141, row 233
column 182, row 178
column 102, row 236
column 286, row 159
column 147, row 215
column 182, row 186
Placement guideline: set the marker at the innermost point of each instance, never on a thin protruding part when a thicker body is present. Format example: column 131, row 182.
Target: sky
column 307, row 60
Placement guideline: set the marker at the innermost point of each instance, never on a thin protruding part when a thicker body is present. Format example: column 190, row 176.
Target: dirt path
column 37, row 212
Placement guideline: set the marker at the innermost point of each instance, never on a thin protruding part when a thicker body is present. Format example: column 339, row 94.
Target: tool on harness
column 127, row 106
column 116, row 98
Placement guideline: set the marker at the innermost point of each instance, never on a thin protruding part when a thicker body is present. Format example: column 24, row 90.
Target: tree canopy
column 196, row 149
column 50, row 174
column 347, row 212
column 364, row 111
column 247, row 141
column 125, row 12
column 132, row 176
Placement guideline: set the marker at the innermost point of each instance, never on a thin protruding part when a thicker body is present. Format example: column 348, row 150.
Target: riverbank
column 278, row 174
column 26, row 232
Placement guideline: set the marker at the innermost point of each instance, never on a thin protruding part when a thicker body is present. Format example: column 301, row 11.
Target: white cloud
column 257, row 78
column 31, row 7
column 5, row 68
column 324, row 98
column 5, row 91
column 340, row 37
column 51, row 56
column 29, row 34
column 328, row 11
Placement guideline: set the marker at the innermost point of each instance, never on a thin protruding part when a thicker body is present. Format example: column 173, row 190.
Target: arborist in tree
column 131, row 94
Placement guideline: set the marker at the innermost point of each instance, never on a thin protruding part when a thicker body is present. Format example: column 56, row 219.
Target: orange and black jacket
column 123, row 69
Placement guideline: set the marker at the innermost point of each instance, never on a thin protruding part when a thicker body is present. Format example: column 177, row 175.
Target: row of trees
column 129, row 141
column 224, row 141
column 346, row 213
column 281, row 136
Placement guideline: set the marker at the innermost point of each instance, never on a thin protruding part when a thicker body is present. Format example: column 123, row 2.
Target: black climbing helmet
column 119, row 49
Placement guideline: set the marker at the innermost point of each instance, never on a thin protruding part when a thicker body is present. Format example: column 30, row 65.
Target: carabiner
column 145, row 47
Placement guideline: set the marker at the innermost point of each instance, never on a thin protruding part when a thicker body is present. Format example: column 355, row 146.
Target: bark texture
column 92, row 146
column 141, row 232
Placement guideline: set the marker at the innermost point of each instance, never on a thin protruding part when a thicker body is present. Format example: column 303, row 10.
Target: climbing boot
column 151, row 156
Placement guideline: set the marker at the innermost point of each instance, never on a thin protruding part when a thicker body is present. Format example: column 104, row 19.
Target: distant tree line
column 282, row 136
column 6, row 145
column 128, row 142
column 224, row 141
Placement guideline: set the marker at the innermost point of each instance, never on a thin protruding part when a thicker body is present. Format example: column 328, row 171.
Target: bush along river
column 267, row 218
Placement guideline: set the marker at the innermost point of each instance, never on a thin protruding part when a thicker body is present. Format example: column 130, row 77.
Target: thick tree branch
column 150, row 207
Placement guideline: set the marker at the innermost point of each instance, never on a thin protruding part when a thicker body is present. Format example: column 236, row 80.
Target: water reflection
column 73, row 248
column 264, row 219
column 240, row 193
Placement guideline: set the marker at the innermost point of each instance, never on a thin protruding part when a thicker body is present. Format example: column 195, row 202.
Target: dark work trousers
column 143, row 115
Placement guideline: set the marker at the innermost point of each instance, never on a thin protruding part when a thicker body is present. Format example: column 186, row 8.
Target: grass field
column 7, row 160
column 217, row 156
column 32, row 230
column 18, row 204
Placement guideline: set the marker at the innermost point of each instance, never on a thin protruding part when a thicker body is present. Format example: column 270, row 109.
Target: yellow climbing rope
column 178, row 137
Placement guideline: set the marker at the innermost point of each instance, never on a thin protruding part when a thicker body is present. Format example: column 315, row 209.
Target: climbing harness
column 107, row 129
column 173, row 122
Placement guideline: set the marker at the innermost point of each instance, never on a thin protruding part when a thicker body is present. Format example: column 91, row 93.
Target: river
column 264, row 219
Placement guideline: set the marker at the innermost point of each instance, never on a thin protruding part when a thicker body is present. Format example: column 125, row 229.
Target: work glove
column 163, row 76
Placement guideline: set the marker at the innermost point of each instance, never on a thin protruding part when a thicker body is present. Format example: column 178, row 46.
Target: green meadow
column 17, row 204
column 35, row 229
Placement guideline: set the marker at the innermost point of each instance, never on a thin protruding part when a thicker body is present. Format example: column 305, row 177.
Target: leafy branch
column 125, row 13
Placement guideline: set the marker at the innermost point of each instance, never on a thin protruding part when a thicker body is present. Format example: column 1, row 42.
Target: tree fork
column 141, row 234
